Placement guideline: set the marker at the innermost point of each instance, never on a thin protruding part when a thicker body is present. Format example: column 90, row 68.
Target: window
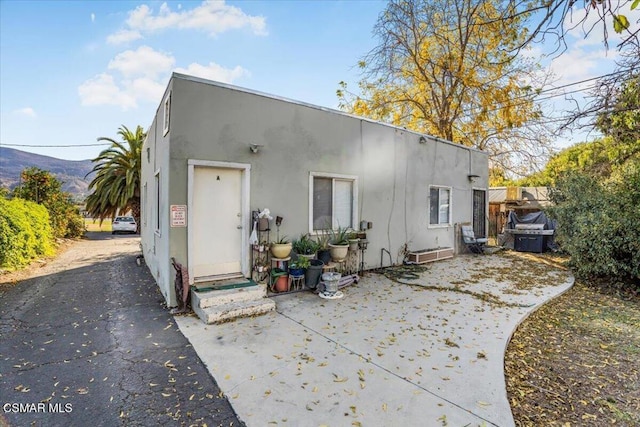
column 144, row 204
column 333, row 201
column 157, row 217
column 167, row 114
column 439, row 206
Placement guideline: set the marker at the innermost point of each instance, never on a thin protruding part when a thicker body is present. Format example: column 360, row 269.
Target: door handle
column 239, row 227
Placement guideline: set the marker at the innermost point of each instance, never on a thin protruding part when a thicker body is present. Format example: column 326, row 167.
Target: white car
column 124, row 224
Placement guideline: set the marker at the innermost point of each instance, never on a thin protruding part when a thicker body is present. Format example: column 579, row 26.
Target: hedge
column 25, row 232
column 599, row 224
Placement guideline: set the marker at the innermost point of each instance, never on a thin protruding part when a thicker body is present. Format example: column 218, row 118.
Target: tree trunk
column 135, row 211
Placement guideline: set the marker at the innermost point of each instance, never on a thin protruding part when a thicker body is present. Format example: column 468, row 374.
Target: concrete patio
column 427, row 351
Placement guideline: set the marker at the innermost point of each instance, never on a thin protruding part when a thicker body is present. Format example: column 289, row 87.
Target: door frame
column 245, row 180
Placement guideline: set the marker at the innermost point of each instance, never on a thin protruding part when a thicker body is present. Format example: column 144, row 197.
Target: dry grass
column 576, row 361
column 94, row 225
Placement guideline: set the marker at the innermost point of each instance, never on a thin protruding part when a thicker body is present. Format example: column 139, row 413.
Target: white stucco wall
column 211, row 121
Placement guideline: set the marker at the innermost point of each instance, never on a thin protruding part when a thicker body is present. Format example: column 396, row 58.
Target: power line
column 54, row 146
column 533, row 98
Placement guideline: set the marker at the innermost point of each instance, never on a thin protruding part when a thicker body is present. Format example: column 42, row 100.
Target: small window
column 439, row 206
column 167, row 114
column 157, row 204
column 333, row 201
column 144, row 204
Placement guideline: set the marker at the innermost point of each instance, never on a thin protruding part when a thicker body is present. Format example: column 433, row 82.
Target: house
column 215, row 153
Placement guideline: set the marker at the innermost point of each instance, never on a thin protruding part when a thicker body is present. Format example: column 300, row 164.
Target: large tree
column 445, row 68
column 116, row 185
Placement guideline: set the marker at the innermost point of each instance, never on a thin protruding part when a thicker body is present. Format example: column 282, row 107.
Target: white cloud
column 214, row 71
column 26, row 111
column 123, row 36
column 140, row 76
column 93, row 17
column 213, row 17
column 145, row 88
column 103, row 90
column 144, row 61
column 576, row 64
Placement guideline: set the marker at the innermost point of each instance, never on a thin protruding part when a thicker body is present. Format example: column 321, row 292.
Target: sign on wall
column 178, row 215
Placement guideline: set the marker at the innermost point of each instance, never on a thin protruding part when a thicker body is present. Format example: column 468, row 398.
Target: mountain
column 71, row 173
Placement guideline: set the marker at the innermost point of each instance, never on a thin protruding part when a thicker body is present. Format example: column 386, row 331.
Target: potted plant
column 339, row 244
column 324, row 254
column 298, row 267
column 313, row 273
column 353, row 241
column 281, row 248
column 305, row 247
column 280, row 280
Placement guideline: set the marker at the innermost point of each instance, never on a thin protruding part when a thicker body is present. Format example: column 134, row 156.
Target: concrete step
column 227, row 296
column 232, row 310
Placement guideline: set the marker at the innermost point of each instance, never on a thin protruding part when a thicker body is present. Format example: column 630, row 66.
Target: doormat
column 224, row 284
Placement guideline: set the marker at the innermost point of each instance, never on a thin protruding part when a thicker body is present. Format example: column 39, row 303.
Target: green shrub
column 599, row 224
column 25, row 232
column 75, row 225
column 42, row 187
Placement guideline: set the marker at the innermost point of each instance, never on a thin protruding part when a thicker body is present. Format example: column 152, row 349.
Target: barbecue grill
column 529, row 237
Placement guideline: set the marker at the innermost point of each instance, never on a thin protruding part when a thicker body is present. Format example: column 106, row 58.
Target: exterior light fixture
column 255, row 148
column 473, row 178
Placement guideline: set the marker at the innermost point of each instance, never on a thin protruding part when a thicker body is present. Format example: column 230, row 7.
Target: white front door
column 217, row 222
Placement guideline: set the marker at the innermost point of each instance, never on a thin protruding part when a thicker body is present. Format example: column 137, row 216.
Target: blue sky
column 73, row 71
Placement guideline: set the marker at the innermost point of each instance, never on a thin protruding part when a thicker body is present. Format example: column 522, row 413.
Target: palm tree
column 116, row 186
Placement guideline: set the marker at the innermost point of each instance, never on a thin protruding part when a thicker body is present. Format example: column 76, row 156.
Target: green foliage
column 116, row 186
column 281, row 240
column 323, row 240
column 621, row 120
column 305, row 245
column 598, row 223
column 620, row 23
column 600, row 158
column 42, row 187
column 301, row 262
column 340, row 236
column 25, row 232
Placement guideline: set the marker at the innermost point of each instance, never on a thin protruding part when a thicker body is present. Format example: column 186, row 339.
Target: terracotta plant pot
column 282, row 283
column 338, row 252
column 280, row 250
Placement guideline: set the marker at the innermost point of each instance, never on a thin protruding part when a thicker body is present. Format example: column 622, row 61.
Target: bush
column 42, row 187
column 599, row 224
column 25, row 232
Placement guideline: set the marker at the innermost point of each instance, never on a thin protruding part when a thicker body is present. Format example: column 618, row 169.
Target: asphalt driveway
column 409, row 348
column 88, row 342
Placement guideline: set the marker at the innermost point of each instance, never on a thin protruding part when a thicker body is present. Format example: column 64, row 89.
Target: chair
column 475, row 245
